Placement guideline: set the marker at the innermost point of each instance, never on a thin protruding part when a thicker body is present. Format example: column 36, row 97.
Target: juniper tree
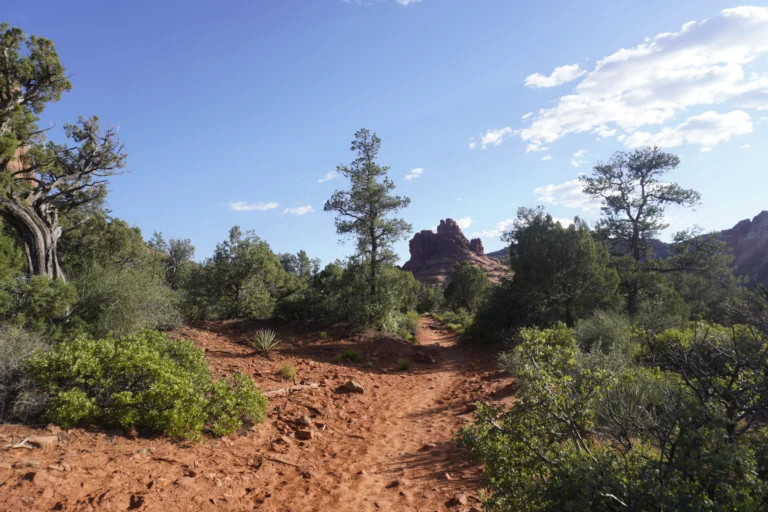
column 41, row 182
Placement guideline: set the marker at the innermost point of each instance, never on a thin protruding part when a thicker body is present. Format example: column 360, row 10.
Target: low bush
column 461, row 318
column 146, row 381
column 287, row 371
column 17, row 346
column 607, row 331
column 405, row 364
column 349, row 354
column 323, row 335
column 265, row 342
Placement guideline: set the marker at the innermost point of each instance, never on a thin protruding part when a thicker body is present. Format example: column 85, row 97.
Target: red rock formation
column 749, row 242
column 434, row 254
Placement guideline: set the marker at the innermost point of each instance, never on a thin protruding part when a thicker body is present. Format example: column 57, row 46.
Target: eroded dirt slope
column 387, row 449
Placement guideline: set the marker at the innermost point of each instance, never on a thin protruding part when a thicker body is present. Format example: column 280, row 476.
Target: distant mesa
column 433, row 255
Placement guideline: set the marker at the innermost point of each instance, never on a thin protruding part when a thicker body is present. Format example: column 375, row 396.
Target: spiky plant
column 265, row 342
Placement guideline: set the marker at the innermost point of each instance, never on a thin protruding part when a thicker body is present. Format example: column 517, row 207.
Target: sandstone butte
column 433, row 255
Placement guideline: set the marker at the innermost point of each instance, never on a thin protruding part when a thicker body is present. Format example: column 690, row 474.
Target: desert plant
column 146, row 381
column 287, row 371
column 405, row 364
column 323, row 335
column 265, row 342
column 16, row 348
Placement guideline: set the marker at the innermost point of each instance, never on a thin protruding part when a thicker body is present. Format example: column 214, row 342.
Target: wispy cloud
column 559, row 76
column 299, row 210
column 328, row 176
column 244, row 206
column 577, row 160
column 494, row 137
column 415, row 173
column 545, row 158
column 705, row 130
column 568, row 195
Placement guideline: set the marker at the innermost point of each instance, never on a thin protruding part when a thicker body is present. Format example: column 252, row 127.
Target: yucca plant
column 265, row 342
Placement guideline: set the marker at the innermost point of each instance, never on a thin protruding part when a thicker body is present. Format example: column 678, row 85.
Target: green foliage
column 243, row 279
column 460, row 318
column 17, row 346
column 122, row 300
column 144, row 381
column 287, row 371
column 402, row 324
column 604, row 330
column 404, row 364
column 431, row 299
column 468, row 288
column 560, row 275
column 363, row 213
column 176, row 258
column 670, row 426
column 265, row 342
column 40, row 303
column 322, row 335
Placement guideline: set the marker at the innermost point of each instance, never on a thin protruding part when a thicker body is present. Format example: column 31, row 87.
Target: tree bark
column 39, row 231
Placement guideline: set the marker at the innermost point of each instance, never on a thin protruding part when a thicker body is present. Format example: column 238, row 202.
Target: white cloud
column 496, row 232
column 545, row 158
column 526, row 116
column 564, row 222
column 705, row 130
column 299, row 210
column 535, row 147
column 465, row 222
column 746, row 146
column 568, row 195
column 408, row 2
column 703, row 64
column 243, row 206
column 415, row 173
column 472, row 143
column 578, row 158
column 559, row 76
column 496, row 137
column 328, row 176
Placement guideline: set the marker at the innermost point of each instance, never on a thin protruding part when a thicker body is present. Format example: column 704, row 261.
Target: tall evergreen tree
column 364, row 210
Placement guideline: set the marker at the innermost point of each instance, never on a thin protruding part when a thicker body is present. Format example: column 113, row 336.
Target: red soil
column 388, row 449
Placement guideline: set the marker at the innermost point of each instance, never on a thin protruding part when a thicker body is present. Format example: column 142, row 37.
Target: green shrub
column 323, row 335
column 349, row 354
column 461, row 318
column 265, row 342
column 287, row 371
column 405, row 364
column 607, row 331
column 144, row 381
column 17, row 346
column 123, row 300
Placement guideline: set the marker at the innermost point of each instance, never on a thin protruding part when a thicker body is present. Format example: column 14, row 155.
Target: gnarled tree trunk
column 39, row 230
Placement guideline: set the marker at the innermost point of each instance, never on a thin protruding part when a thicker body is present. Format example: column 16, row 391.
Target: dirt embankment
column 390, row 448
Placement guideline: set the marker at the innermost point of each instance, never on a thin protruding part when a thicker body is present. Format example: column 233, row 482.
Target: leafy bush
column 265, row 342
column 287, row 371
column 123, row 300
column 323, row 335
column 402, row 324
column 405, row 364
column 671, row 433
column 604, row 330
column 457, row 321
column 144, row 381
column 430, row 299
column 17, row 398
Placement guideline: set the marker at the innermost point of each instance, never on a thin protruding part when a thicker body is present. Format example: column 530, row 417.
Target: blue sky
column 233, row 112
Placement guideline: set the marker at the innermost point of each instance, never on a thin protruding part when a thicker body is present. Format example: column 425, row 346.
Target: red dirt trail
column 389, row 449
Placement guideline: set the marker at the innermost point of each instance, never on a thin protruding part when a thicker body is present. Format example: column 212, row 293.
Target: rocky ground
column 389, row 448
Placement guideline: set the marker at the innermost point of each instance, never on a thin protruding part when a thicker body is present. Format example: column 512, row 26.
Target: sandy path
column 388, row 449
